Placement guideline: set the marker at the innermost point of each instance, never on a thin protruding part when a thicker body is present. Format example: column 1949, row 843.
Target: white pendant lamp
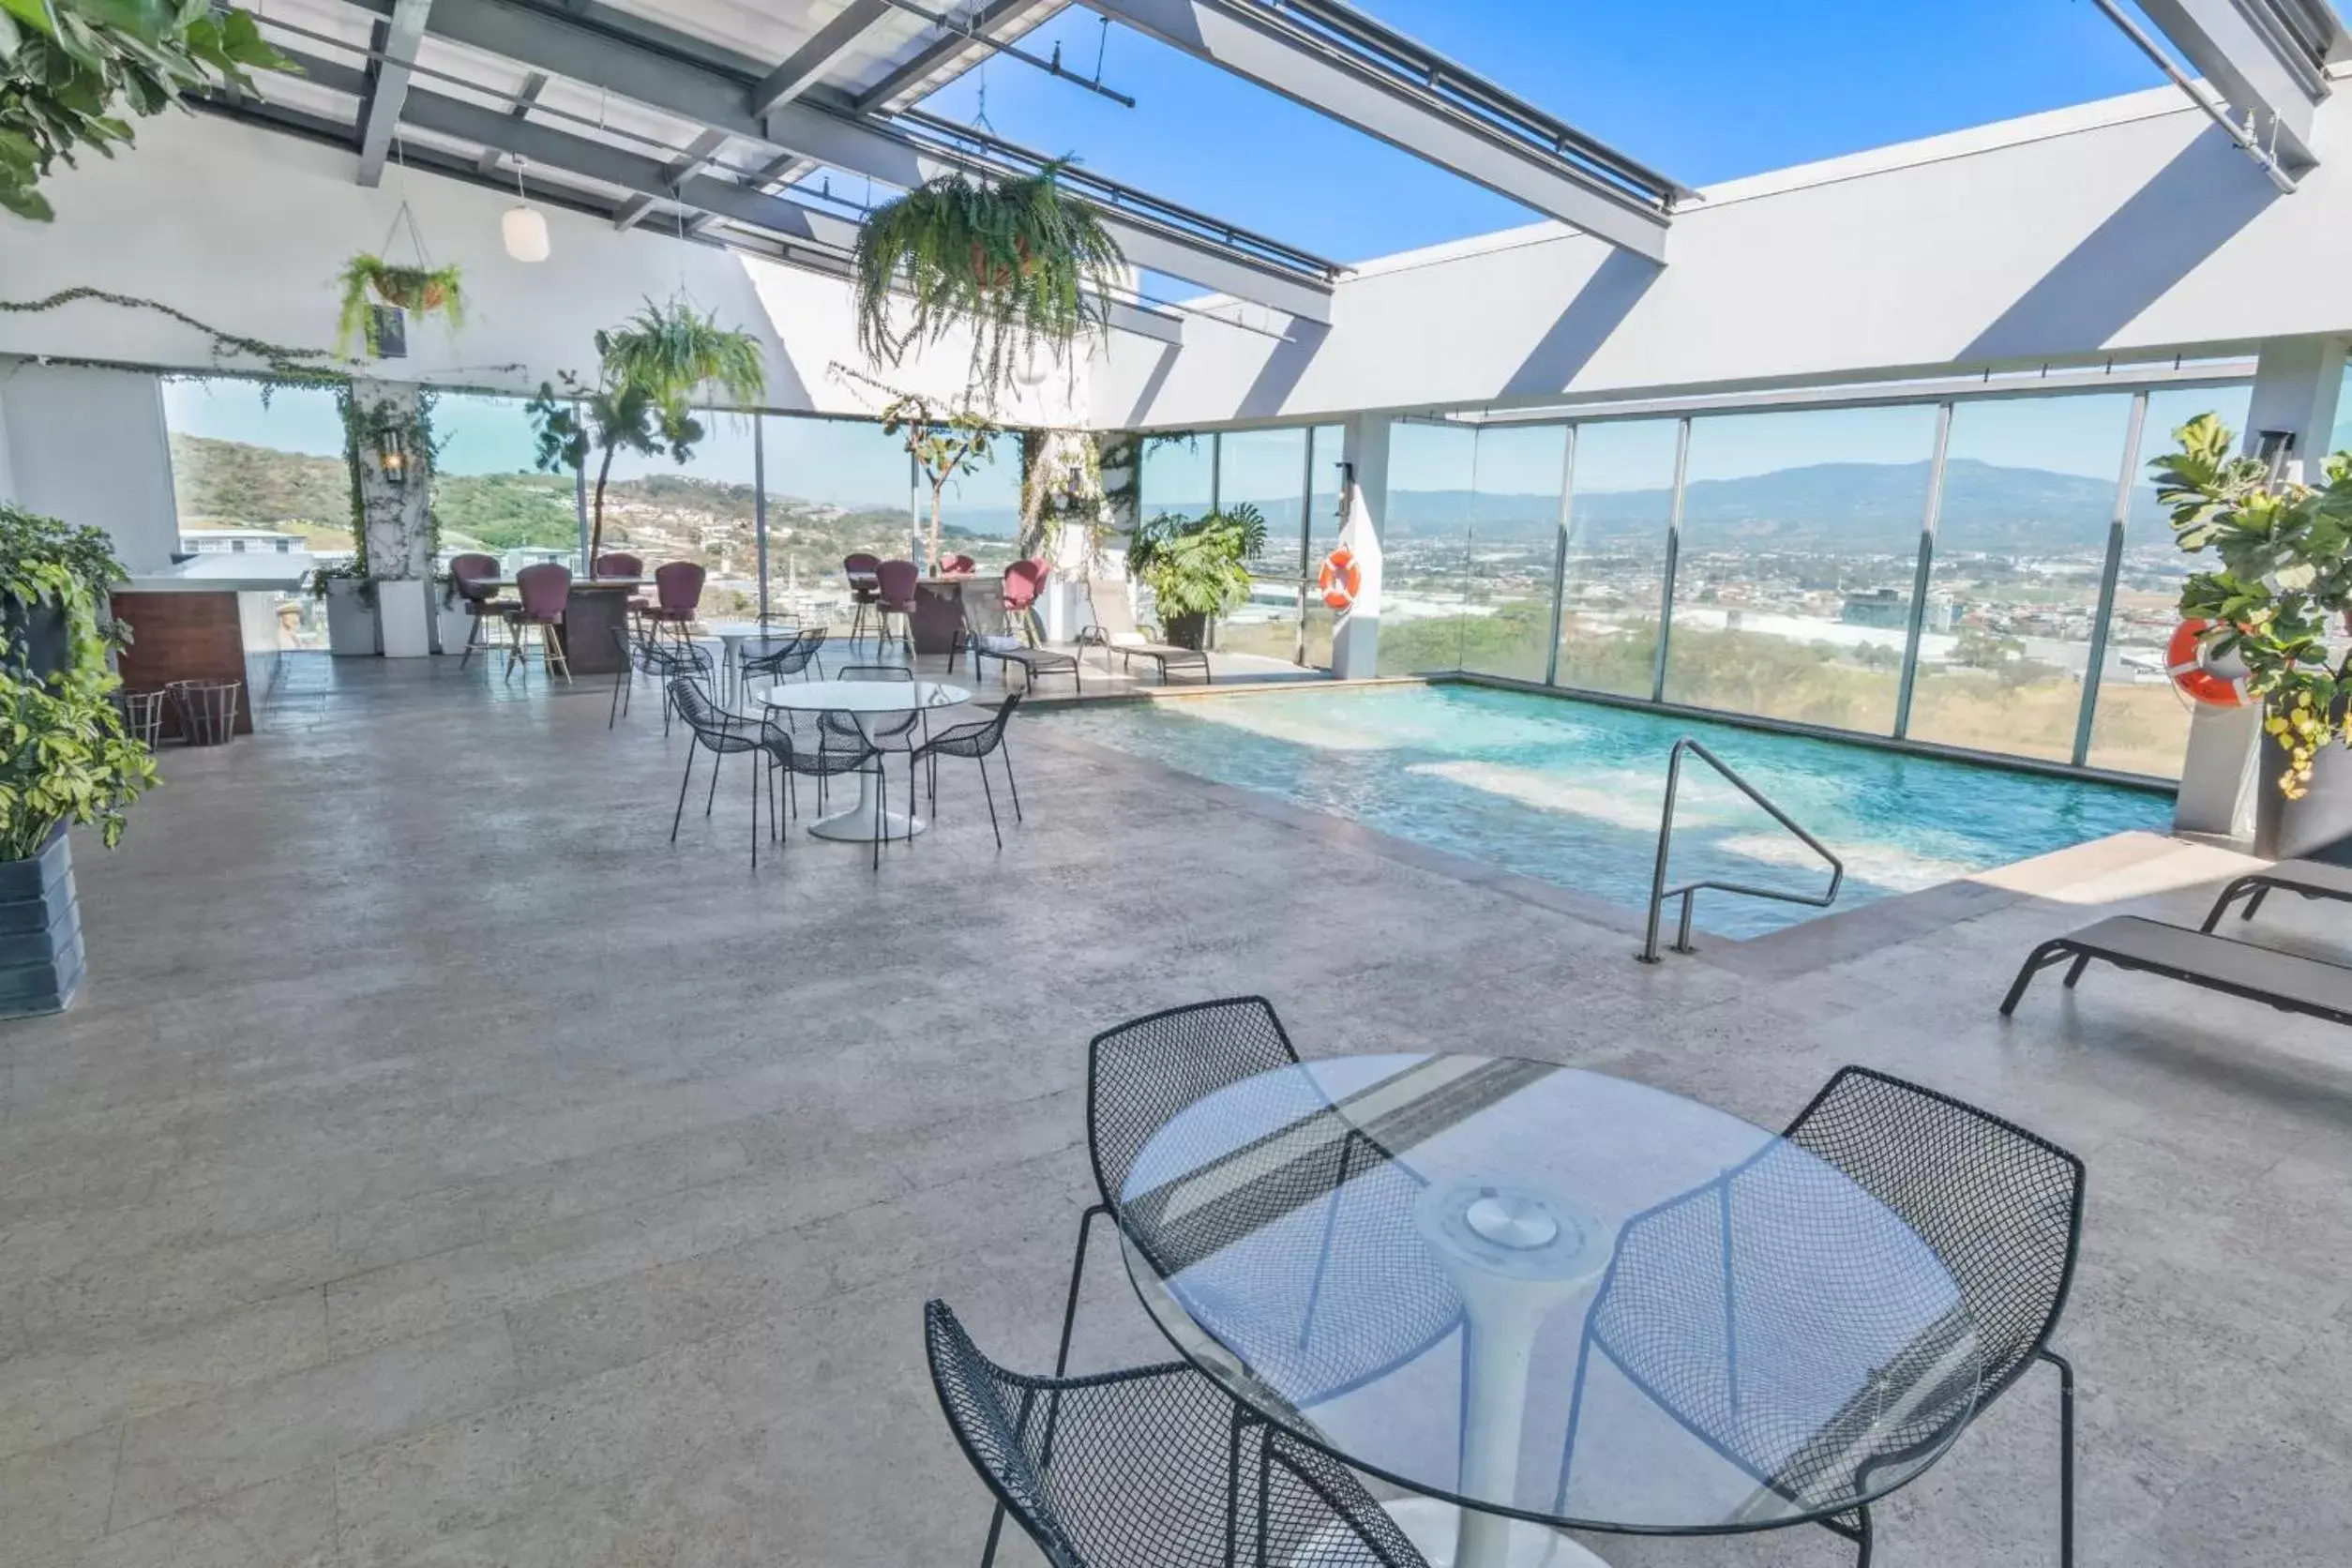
column 523, row 226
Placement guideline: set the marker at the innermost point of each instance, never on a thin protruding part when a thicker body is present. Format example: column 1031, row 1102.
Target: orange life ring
column 2185, row 661
column 1341, row 579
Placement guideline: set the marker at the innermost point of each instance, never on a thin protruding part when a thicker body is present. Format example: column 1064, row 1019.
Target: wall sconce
column 392, row 456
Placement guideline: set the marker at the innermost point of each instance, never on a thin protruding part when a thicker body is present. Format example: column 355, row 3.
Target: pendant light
column 523, row 226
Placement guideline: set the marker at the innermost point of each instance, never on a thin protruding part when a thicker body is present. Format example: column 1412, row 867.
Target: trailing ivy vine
column 280, row 362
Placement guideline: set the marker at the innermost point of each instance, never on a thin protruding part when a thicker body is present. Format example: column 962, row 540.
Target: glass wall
column 1613, row 578
column 835, row 488
column 2021, row 547
column 1513, row 545
column 1326, row 441
column 1267, row 469
column 251, row 472
column 702, row 510
column 1426, row 537
column 488, row 493
column 1178, row 476
column 2141, row 724
column 1799, row 543
column 980, row 511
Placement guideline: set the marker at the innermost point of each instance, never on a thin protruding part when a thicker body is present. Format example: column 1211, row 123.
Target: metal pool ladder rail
column 1659, row 892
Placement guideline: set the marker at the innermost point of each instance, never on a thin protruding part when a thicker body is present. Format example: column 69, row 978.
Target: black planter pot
column 41, row 932
column 1185, row 631
column 39, row 630
column 2316, row 827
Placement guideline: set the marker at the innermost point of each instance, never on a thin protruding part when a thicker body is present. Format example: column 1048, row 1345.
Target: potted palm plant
column 1197, row 567
column 2283, row 589
column 63, row 759
column 1024, row 267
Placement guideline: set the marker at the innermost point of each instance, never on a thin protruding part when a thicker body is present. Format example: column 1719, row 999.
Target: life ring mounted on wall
column 1341, row 579
column 2188, row 660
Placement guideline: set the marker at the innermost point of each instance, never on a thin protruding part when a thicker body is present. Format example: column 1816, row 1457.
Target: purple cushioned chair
column 677, row 593
column 896, row 597
column 471, row 575
column 546, row 590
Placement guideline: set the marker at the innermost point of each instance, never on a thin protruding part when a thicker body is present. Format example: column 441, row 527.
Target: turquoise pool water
column 1570, row 792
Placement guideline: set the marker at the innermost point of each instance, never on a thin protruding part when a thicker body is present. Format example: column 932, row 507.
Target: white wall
column 248, row 230
column 88, row 446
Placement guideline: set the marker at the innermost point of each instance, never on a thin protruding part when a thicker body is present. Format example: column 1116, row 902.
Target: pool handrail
column 1660, row 893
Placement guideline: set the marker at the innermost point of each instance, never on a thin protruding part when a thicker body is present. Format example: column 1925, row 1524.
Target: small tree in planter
column 2286, row 578
column 943, row 442
column 63, row 759
column 1197, row 567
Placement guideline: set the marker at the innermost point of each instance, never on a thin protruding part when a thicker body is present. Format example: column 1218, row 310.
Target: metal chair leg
column 2066, row 1455
column 712, row 799
column 1011, row 783
column 991, row 795
column 2051, row 952
column 679, row 815
column 755, row 809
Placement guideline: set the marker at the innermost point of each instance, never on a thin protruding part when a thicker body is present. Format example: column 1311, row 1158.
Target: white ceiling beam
column 825, row 49
column 1349, row 70
column 698, row 153
column 948, row 50
column 533, row 86
column 2266, row 57
column 397, row 36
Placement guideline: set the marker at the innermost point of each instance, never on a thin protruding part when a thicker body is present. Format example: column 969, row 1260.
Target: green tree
column 606, row 420
column 943, row 442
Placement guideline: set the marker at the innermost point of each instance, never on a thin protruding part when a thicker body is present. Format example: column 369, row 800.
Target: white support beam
column 533, row 86
column 698, row 153
column 824, row 50
column 387, row 86
column 915, row 77
column 1257, row 41
column 2266, row 57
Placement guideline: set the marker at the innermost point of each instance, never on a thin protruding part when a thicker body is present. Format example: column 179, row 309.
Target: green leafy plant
column 64, row 755
column 29, row 541
column 671, row 352
column 1197, row 568
column 943, row 441
column 355, row 570
column 579, row 420
column 1025, row 267
column 368, row 280
column 2285, row 576
column 69, row 68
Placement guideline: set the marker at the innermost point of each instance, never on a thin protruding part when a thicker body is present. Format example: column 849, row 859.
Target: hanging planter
column 423, row 289
column 1022, row 265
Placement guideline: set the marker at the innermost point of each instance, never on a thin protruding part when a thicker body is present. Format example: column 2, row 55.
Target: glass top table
column 1549, row 1295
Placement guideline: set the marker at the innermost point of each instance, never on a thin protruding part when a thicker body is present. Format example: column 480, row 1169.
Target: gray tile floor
column 441, row 1168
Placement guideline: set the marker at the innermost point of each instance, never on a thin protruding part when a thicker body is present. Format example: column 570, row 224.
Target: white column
column 2297, row 382
column 1355, row 651
column 88, row 446
column 394, row 505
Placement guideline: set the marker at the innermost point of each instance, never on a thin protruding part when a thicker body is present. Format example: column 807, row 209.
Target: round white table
column 865, row 701
column 732, row 635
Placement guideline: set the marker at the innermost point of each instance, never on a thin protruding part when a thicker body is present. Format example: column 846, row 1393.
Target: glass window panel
column 1322, row 534
column 700, row 510
column 1615, row 572
column 2021, row 541
column 255, row 476
column 1176, row 477
column 1799, row 543
column 2142, row 724
column 1432, row 485
column 980, row 514
column 1513, row 538
column 488, row 491
column 835, row 488
column 1266, row 469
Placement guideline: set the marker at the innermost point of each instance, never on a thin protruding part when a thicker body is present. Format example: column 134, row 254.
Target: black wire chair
column 722, row 734
column 1153, row 1467
column 779, row 658
column 977, row 740
column 1368, row 1299
column 661, row 660
column 798, row 747
column 2000, row 1207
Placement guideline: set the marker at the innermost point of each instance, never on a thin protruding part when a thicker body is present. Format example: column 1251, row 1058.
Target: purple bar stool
column 895, row 596
column 546, row 590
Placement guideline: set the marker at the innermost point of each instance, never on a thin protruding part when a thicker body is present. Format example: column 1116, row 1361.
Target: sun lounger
column 2312, row 878
column 2282, row 980
column 1114, row 631
column 1033, row 662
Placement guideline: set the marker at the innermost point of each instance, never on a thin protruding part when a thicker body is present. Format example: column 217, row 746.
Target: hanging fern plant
column 1026, row 268
column 370, row 280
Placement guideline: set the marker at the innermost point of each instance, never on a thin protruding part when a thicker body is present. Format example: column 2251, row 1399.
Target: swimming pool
column 1570, row 792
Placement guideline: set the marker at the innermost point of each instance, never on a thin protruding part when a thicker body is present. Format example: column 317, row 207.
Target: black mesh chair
column 2000, row 1207
column 798, row 747
column 1153, row 1467
column 663, row 661
column 977, row 740
column 1372, row 1299
column 782, row 656
column 721, row 733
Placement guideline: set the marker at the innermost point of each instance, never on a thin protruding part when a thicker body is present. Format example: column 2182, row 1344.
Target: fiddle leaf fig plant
column 1198, row 566
column 2285, row 579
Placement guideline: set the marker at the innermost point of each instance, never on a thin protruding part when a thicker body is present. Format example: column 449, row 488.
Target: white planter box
column 401, row 610
column 452, row 623
column 351, row 621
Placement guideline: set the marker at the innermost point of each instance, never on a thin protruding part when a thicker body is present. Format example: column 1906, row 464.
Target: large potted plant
column 63, row 759
column 1018, row 264
column 350, row 598
column 1197, row 567
column 32, row 622
column 2284, row 586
